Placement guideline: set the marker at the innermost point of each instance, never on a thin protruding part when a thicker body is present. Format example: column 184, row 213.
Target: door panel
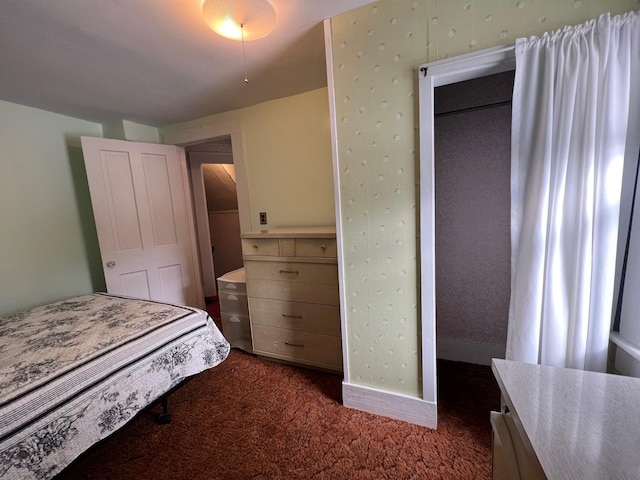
column 162, row 218
column 134, row 284
column 171, row 283
column 139, row 200
column 116, row 167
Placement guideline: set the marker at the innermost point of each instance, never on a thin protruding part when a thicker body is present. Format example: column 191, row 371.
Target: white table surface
column 581, row 425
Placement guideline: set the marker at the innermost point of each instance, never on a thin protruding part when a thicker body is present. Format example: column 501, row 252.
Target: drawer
column 300, row 347
column 260, row 246
column 293, row 272
column 233, row 303
column 231, row 288
column 294, row 291
column 237, row 330
column 306, row 317
column 316, row 247
column 233, row 282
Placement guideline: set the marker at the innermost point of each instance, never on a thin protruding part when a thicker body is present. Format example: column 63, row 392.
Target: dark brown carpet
column 251, row 418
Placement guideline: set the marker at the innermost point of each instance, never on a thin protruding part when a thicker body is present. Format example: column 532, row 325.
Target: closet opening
column 451, row 340
column 472, row 174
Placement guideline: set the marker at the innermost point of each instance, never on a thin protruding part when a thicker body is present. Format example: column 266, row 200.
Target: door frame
column 202, row 134
column 431, row 75
column 213, row 131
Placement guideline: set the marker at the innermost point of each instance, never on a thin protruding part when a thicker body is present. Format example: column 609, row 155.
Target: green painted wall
column 48, row 244
column 376, row 51
column 288, row 158
column 128, row 130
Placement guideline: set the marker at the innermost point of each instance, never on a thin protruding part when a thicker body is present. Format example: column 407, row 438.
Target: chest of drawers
column 292, row 289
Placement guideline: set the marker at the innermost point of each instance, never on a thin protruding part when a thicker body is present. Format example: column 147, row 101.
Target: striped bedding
column 73, row 372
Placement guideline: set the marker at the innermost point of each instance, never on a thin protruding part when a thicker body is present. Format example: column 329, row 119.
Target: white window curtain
column 571, row 108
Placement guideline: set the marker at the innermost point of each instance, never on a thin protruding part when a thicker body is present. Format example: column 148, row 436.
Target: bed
column 74, row 371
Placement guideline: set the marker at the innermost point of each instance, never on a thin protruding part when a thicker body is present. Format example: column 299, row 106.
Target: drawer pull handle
column 286, row 315
column 301, row 345
column 292, row 272
column 323, row 248
column 255, row 247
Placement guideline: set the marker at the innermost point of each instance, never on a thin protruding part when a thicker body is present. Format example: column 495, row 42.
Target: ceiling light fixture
column 241, row 20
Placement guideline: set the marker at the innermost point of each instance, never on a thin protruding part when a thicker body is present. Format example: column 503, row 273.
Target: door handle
column 111, row 264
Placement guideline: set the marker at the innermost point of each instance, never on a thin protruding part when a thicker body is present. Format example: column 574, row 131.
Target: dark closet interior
column 472, row 183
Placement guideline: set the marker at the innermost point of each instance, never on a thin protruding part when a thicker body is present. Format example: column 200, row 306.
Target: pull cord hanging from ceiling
column 244, row 54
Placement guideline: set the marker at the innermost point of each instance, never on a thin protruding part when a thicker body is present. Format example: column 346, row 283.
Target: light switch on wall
column 263, row 218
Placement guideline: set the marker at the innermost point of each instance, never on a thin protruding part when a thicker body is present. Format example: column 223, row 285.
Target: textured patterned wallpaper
column 462, row 26
column 376, row 51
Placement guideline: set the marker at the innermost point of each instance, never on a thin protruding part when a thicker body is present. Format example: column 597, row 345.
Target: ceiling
column 154, row 62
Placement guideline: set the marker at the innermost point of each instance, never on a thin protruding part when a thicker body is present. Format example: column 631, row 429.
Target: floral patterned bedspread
column 73, row 372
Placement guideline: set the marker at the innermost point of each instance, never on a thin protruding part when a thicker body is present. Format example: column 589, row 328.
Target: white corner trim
column 336, row 194
column 478, row 353
column 389, row 404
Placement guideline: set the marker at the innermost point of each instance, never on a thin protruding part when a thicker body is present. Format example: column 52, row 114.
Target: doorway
column 218, row 219
column 430, row 76
column 225, row 130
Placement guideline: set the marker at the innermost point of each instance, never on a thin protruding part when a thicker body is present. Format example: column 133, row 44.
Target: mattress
column 74, row 371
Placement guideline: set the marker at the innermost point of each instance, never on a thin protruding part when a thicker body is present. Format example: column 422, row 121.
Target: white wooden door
column 139, row 197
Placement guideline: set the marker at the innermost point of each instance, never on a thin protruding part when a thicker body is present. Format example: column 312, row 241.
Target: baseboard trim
column 389, row 404
column 478, row 353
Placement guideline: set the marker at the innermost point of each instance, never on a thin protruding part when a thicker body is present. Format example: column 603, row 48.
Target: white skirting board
column 390, row 404
column 478, row 353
